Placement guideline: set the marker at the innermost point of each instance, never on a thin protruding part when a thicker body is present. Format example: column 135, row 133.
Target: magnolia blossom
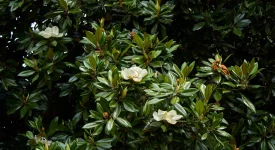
column 51, row 32
column 43, row 140
column 134, row 73
column 171, row 116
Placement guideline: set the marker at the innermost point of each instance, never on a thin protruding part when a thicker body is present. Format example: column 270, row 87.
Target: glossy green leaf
column 63, row 4
column 123, row 122
column 180, row 109
column 98, row 34
column 204, row 136
column 117, row 111
column 26, row 73
column 200, row 107
column 138, row 41
column 223, row 133
column 90, row 125
column 23, row 111
column 248, row 103
column 155, row 101
column 237, row 31
column 129, row 106
column 198, row 26
column 110, row 124
column 217, row 95
column 189, row 92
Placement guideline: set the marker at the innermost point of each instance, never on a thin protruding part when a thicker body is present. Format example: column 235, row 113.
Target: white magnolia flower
column 134, row 73
column 43, row 140
column 171, row 116
column 51, row 32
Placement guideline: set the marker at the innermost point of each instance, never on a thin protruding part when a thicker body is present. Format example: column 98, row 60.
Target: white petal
column 172, row 112
column 171, row 121
column 49, row 30
column 59, row 35
column 143, row 73
column 55, row 30
column 160, row 112
column 156, row 116
column 137, row 79
column 124, row 74
column 134, row 72
column 177, row 117
column 45, row 34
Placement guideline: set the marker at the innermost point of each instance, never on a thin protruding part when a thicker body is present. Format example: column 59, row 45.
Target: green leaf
column 198, row 26
column 99, row 108
column 106, row 140
column 23, row 111
column 154, row 101
column 271, row 145
column 35, row 77
column 123, row 122
column 110, row 124
column 138, row 41
column 217, row 96
column 263, row 145
column 67, row 147
column 63, row 4
column 117, row 111
column 53, row 126
column 208, row 91
column 177, row 70
column 77, row 118
column 29, row 135
column 248, row 103
column 238, row 18
column 229, row 84
column 72, row 79
column 13, row 109
column 92, row 62
column 237, row 31
column 5, row 84
column 11, row 82
column 90, row 125
column 26, row 73
column 189, row 92
column 98, row 129
column 173, row 48
column 200, row 107
column 91, row 37
column 15, row 5
column 29, row 62
column 254, row 70
column 204, row 136
column 53, row 13
column 223, row 133
column 147, row 109
column 95, row 114
column 180, row 109
column 98, row 34
column 75, row 11
column 243, row 23
column 129, row 106
column 202, row 89
column 103, row 145
column 217, row 79
column 175, row 100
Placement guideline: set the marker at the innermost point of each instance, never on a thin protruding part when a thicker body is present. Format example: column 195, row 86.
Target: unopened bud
column 106, row 115
column 124, row 92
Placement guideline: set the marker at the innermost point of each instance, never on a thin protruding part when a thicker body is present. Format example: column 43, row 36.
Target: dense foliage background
column 211, row 61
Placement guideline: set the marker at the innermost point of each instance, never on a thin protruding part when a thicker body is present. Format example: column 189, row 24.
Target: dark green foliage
column 210, row 62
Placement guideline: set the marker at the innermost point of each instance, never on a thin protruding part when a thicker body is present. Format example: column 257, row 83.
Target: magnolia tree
column 125, row 89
